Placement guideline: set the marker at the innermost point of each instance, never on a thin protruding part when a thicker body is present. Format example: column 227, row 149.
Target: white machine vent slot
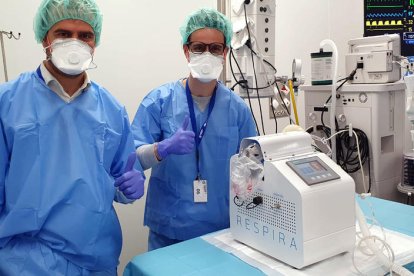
column 274, row 211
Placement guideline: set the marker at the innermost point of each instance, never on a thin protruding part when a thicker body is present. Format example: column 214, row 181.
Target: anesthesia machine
column 371, row 104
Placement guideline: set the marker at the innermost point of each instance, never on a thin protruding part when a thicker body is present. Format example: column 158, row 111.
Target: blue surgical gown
column 170, row 209
column 58, row 162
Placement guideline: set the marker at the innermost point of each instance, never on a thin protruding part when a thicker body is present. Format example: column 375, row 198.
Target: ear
column 45, row 41
column 46, row 45
column 186, row 52
column 225, row 53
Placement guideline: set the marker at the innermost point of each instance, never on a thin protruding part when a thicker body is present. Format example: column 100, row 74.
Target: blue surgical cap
column 51, row 12
column 206, row 18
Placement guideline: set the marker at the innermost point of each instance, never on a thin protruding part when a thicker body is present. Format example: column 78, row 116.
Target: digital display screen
column 312, row 170
column 310, row 167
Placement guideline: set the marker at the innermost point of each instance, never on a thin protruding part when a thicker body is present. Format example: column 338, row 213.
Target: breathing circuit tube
column 333, row 95
column 374, row 247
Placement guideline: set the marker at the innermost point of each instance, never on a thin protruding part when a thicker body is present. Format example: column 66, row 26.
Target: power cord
column 247, row 89
column 254, row 70
column 256, row 202
column 344, row 80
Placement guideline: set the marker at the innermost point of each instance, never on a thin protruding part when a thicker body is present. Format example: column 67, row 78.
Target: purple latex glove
column 131, row 182
column 182, row 142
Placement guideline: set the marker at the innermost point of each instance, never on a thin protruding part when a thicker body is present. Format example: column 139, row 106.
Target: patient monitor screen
column 389, row 17
column 312, row 170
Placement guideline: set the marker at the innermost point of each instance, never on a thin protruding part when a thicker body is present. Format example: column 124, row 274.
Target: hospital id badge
column 200, row 190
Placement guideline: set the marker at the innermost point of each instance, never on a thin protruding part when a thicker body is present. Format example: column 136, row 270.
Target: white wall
column 140, row 49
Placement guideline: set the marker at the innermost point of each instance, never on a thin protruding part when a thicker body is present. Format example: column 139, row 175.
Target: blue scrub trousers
column 156, row 241
column 26, row 256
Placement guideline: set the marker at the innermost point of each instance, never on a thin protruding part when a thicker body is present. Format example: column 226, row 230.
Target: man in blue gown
column 66, row 152
column 186, row 131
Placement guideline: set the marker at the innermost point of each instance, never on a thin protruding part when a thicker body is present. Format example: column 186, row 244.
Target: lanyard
column 39, row 73
column 202, row 131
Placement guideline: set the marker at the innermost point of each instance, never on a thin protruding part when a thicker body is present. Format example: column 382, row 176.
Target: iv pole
column 9, row 35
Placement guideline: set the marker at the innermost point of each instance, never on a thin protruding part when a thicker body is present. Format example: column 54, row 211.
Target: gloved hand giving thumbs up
column 131, row 183
column 182, row 142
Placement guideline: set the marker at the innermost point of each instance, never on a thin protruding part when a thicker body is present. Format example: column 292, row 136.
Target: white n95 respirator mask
column 205, row 67
column 71, row 56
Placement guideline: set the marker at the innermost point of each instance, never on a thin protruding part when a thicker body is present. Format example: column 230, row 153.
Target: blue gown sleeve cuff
column 121, row 198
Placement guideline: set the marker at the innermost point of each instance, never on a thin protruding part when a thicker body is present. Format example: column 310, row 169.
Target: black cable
column 323, row 111
column 369, row 174
column 347, row 160
column 316, row 148
column 330, row 96
column 237, row 204
column 248, row 44
column 254, row 70
column 339, row 86
column 256, row 202
column 244, row 84
column 247, row 89
column 274, row 114
column 347, row 150
column 349, row 77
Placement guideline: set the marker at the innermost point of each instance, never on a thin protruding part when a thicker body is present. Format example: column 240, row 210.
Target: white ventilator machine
column 289, row 201
column 375, row 58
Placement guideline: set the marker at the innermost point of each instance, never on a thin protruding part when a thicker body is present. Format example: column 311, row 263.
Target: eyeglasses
column 199, row 47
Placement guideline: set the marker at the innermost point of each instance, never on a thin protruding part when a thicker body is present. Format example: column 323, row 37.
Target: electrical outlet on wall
column 279, row 104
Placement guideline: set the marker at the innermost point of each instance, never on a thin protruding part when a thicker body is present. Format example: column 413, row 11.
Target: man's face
column 70, row 29
column 206, row 36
